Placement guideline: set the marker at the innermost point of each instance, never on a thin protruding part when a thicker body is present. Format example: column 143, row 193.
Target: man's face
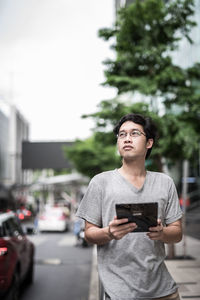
column 132, row 142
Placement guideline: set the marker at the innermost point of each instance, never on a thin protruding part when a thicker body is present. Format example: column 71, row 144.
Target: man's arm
column 101, row 236
column 172, row 233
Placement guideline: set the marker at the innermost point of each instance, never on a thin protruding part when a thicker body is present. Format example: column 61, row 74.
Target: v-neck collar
column 135, row 189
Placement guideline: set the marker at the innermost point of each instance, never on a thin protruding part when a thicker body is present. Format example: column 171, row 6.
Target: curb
column 94, row 279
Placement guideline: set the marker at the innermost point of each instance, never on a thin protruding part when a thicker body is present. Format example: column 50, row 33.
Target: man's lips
column 127, row 147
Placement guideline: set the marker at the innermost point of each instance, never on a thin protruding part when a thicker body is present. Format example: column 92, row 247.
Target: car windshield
column 53, row 213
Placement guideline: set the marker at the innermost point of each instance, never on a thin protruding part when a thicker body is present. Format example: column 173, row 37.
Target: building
column 13, row 130
column 4, row 142
column 188, row 54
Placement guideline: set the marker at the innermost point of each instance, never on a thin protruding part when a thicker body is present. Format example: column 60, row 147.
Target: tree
column 99, row 152
column 91, row 157
column 146, row 32
column 145, row 35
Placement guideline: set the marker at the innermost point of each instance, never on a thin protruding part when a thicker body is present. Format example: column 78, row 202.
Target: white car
column 53, row 219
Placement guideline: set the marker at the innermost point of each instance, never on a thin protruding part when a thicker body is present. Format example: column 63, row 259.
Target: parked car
column 53, row 219
column 23, row 213
column 16, row 257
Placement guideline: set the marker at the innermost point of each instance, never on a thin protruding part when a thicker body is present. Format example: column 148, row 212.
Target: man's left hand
column 156, row 233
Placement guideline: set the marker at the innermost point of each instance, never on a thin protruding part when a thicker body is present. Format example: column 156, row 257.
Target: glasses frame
column 130, row 134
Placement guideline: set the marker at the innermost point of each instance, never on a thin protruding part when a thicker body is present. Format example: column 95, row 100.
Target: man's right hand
column 117, row 229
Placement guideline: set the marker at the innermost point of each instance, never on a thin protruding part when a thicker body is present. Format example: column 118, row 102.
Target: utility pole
column 184, row 197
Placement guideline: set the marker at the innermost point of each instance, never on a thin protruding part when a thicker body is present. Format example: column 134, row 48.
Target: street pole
column 184, row 197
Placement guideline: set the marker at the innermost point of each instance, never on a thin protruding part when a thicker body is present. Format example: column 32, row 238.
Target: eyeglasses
column 135, row 133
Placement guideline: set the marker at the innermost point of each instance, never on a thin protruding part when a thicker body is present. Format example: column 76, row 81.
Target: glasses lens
column 135, row 133
column 122, row 135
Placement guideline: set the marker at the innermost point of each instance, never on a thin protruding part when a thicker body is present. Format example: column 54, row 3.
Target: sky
column 51, row 63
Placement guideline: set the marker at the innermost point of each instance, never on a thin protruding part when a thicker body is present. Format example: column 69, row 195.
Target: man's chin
column 129, row 158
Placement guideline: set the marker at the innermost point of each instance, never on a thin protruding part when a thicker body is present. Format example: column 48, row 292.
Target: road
column 62, row 270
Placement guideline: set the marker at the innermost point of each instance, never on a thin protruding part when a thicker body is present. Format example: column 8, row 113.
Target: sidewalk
column 186, row 272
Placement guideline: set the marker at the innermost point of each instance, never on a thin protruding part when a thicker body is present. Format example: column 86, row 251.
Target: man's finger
column 120, row 221
column 157, row 228
column 126, row 227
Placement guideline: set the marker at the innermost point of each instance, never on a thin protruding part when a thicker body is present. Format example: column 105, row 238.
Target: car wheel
column 30, row 273
column 15, row 288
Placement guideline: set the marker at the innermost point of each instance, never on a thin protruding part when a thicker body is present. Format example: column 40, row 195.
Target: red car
column 16, row 257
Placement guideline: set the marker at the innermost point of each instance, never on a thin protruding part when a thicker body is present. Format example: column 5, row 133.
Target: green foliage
column 99, row 153
column 92, row 156
column 62, row 171
column 144, row 36
column 110, row 111
column 178, row 138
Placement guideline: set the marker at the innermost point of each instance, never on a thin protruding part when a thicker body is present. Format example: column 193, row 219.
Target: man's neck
column 133, row 169
column 135, row 173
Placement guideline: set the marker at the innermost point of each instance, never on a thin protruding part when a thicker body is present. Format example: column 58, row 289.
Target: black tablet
column 143, row 214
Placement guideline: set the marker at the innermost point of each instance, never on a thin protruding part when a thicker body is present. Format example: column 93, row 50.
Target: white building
column 4, row 142
column 188, row 54
column 13, row 130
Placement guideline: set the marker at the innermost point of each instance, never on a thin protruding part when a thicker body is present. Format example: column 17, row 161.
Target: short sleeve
column 173, row 209
column 90, row 206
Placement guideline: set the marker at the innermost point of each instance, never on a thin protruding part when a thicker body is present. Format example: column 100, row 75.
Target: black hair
column 149, row 127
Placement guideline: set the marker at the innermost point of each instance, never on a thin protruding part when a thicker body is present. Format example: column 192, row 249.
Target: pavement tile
column 186, row 272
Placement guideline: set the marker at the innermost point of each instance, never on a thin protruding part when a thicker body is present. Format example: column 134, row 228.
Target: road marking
column 49, row 261
column 67, row 240
column 37, row 239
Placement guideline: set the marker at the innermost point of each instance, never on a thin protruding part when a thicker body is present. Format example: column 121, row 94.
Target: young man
column 131, row 265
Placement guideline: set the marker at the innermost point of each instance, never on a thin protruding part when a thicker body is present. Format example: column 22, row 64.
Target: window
column 12, row 228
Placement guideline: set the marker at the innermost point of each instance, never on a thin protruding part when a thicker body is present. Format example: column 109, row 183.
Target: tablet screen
column 143, row 214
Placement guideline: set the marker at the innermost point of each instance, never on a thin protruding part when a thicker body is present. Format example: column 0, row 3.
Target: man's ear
column 149, row 143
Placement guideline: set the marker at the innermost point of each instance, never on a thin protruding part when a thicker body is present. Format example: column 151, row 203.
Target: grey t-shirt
column 133, row 267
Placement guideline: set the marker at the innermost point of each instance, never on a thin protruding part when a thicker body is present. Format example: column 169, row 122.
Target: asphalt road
column 62, row 270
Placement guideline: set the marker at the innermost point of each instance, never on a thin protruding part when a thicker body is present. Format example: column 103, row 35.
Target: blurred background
column 69, row 70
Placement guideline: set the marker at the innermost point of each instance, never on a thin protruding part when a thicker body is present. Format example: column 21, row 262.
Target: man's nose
column 128, row 138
